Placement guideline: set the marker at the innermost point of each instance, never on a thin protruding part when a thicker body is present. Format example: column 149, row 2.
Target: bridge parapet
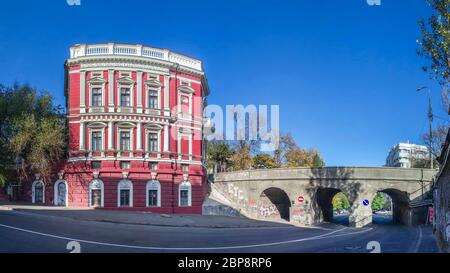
column 269, row 193
column 330, row 173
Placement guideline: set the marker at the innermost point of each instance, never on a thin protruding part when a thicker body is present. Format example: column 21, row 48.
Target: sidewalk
column 141, row 218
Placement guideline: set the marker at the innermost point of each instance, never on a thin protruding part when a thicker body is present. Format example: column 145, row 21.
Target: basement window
column 96, row 164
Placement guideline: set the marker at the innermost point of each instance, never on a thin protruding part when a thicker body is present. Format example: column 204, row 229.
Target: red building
column 135, row 119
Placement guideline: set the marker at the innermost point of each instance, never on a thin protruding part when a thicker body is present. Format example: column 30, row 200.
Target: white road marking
column 318, row 237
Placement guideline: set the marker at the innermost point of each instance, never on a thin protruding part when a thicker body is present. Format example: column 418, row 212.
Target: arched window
column 125, row 193
column 184, row 194
column 61, row 191
column 153, row 190
column 96, row 193
column 38, row 192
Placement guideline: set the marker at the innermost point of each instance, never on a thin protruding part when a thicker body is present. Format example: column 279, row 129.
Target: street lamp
column 430, row 119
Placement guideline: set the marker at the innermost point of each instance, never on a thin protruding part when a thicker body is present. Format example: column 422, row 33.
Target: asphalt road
column 28, row 232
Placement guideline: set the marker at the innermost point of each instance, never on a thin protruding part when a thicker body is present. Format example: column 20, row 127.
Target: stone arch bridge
column 274, row 194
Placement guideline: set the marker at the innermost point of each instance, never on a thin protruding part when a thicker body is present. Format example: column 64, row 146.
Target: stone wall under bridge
column 273, row 194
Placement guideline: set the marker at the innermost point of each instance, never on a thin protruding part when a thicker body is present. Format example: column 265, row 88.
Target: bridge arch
column 275, row 203
column 400, row 205
column 324, row 199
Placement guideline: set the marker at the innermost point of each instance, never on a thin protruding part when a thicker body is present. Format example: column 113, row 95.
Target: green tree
column 435, row 41
column 263, row 161
column 298, row 158
column 378, row 201
column 317, row 161
column 340, row 201
column 32, row 131
column 218, row 155
column 289, row 154
column 242, row 157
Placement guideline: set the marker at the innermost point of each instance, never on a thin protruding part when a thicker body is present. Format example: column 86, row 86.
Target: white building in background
column 403, row 154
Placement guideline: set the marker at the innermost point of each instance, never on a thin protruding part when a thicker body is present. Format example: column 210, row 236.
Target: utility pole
column 430, row 119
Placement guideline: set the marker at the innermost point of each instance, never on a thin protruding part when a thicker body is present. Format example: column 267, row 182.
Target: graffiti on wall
column 268, row 210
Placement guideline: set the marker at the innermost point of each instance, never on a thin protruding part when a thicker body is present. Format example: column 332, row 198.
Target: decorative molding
column 95, row 175
column 154, row 176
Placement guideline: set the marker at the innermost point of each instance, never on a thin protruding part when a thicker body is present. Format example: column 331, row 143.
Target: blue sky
column 344, row 73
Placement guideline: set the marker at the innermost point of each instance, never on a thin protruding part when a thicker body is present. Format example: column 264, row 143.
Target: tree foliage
column 439, row 134
column 242, row 156
column 32, row 131
column 263, row 161
column 435, row 41
column 378, row 201
column 218, row 155
column 340, row 201
column 245, row 155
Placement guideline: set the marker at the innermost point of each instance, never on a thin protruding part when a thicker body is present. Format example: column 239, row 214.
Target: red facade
column 135, row 118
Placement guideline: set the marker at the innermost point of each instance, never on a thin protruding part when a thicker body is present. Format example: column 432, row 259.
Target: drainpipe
column 177, row 66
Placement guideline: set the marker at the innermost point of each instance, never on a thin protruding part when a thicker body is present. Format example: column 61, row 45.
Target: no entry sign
column 301, row 199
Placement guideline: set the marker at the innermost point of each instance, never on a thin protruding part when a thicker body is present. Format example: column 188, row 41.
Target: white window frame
column 158, row 98
column 185, row 185
column 97, row 82
column 125, row 82
column 91, row 93
column 97, row 127
column 185, row 90
column 98, row 186
column 155, row 85
column 91, row 139
column 153, row 128
column 130, row 131
column 125, row 184
column 123, row 127
column 33, row 191
column 153, row 185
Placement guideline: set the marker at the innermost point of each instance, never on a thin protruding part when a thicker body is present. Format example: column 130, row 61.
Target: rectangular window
column 153, row 198
column 125, row 165
column 125, row 141
column 125, row 97
column 96, row 96
column 184, row 198
column 185, row 168
column 96, row 164
column 96, row 141
column 153, row 142
column 125, row 198
column 153, row 166
column 152, row 99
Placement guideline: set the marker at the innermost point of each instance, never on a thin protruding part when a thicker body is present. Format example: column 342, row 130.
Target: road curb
column 111, row 221
column 5, row 208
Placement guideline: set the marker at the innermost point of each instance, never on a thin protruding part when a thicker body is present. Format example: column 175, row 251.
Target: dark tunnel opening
column 280, row 200
column 395, row 209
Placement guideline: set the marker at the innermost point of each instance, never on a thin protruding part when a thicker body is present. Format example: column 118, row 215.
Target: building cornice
column 113, row 61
